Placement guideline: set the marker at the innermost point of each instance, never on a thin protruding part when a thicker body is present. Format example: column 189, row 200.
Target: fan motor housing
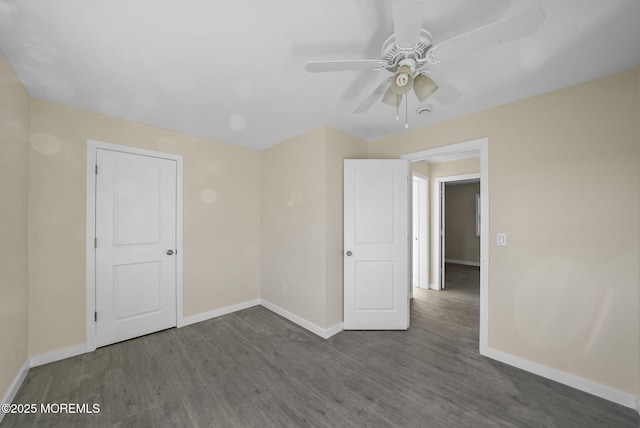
column 393, row 54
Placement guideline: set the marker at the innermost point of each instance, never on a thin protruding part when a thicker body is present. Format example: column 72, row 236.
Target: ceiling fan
column 410, row 50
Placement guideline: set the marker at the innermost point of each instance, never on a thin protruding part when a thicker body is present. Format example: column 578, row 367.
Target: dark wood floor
column 256, row 369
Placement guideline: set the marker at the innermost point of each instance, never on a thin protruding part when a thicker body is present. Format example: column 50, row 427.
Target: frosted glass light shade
column 402, row 81
column 391, row 98
column 423, row 86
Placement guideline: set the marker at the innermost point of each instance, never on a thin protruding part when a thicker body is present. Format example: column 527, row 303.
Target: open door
column 441, row 236
column 420, row 231
column 376, row 244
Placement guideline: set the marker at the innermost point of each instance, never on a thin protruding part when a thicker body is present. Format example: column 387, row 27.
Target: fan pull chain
column 398, row 108
column 406, row 112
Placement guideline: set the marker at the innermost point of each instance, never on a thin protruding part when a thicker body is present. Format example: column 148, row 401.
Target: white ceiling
column 233, row 70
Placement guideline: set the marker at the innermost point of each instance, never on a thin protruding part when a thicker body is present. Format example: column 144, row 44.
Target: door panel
column 376, row 281
column 135, row 228
column 144, row 298
column 374, row 208
column 137, row 198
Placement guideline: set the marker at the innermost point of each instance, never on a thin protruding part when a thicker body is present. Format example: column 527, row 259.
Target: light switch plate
column 501, row 239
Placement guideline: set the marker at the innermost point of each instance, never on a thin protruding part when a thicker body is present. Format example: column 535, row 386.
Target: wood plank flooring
column 256, row 369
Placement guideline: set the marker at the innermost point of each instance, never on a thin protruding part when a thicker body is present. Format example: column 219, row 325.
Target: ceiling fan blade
column 407, row 21
column 446, row 93
column 497, row 33
column 344, row 65
column 374, row 96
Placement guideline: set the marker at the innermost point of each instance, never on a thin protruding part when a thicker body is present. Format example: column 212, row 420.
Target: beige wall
column 294, row 229
column 221, row 218
column 14, row 276
column 564, row 186
column 302, row 223
column 461, row 242
column 420, row 167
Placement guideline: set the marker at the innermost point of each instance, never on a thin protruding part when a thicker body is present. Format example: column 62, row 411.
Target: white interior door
column 135, row 245
column 376, row 244
column 442, row 236
column 415, row 233
column 420, row 231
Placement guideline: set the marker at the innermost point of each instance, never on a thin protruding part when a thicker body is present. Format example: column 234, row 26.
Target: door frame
column 92, row 148
column 440, row 211
column 474, row 148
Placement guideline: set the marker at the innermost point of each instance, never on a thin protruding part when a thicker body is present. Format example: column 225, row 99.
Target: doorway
column 475, row 148
column 440, row 212
column 134, row 243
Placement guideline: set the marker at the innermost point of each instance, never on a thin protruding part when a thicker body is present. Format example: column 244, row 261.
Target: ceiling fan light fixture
column 403, row 80
column 391, row 98
column 423, row 86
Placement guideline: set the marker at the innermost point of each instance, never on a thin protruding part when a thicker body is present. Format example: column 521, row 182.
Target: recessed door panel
column 137, row 290
column 138, row 192
column 374, row 210
column 375, row 286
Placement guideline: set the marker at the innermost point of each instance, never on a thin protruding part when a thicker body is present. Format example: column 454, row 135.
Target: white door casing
column 134, row 267
column 475, row 148
column 376, row 244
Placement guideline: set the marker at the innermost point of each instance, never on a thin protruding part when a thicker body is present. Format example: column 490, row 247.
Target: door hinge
column 95, row 242
column 96, row 169
column 95, row 316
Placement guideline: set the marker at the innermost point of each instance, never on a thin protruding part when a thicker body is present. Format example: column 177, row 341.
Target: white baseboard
column 462, row 262
column 218, row 312
column 328, row 332
column 433, row 286
column 15, row 386
column 573, row 381
column 60, row 354
column 325, row 333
